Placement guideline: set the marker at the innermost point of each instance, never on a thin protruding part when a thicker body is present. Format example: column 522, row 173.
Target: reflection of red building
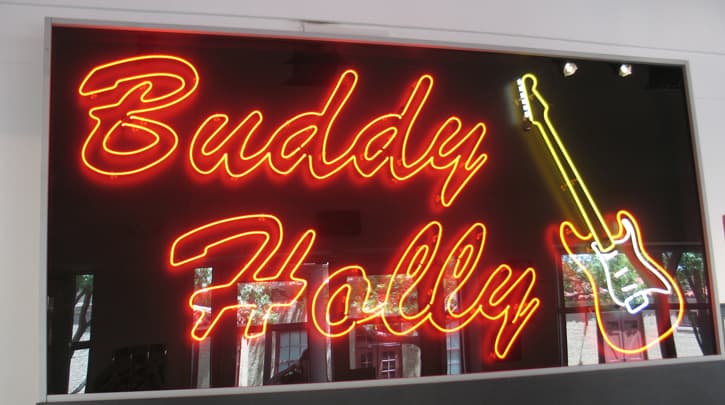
column 624, row 330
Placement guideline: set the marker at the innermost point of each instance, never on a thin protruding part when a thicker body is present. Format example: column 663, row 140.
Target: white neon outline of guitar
column 604, row 242
column 642, row 293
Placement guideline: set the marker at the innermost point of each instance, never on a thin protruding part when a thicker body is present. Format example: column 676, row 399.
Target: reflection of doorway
column 375, row 350
column 624, row 330
column 384, row 357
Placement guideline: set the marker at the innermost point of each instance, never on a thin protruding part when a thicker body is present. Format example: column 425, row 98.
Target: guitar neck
column 573, row 181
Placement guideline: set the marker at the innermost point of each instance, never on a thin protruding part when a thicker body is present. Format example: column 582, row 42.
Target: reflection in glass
column 581, row 338
column 453, row 352
column 291, row 346
column 384, row 355
column 697, row 323
column 81, row 334
column 379, row 285
column 82, row 308
column 688, row 337
column 280, row 355
column 264, row 294
column 251, row 361
column 693, row 337
column 78, row 371
column 203, row 277
column 203, row 374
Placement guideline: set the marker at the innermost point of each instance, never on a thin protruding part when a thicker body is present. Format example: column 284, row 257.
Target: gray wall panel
column 690, row 383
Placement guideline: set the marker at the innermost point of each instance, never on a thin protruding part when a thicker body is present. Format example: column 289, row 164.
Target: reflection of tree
column 577, row 287
column 379, row 288
column 688, row 266
column 202, row 279
column 264, row 294
column 81, row 324
column 692, row 280
column 84, row 294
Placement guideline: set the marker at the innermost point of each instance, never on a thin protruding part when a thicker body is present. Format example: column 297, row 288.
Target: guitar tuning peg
column 526, row 124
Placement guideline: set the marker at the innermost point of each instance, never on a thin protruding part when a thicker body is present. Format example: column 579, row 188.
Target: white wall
column 673, row 29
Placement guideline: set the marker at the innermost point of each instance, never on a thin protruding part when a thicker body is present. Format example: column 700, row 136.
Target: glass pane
column 78, row 371
column 410, row 360
column 651, row 333
column 581, row 339
column 694, row 336
column 291, row 349
column 379, row 284
column 203, row 277
column 83, row 308
column 691, row 275
column 203, row 372
column 262, row 295
column 251, row 362
column 577, row 287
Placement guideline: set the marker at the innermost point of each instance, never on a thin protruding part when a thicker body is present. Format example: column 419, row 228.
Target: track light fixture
column 624, row 70
column 569, row 69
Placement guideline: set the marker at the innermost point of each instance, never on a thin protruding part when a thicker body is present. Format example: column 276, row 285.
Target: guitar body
column 632, row 279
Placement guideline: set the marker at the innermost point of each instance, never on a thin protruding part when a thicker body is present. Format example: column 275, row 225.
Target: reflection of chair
column 134, row 368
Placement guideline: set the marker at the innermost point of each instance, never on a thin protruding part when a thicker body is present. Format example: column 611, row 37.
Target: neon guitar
column 632, row 277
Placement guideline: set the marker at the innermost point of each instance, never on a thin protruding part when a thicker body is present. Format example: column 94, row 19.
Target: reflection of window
column 81, row 333
column 368, row 344
column 273, row 358
column 388, row 355
column 290, row 346
column 264, row 294
column 385, row 359
column 379, row 287
column 453, row 353
column 201, row 355
column 366, row 359
column 389, row 360
column 694, row 336
column 372, row 345
column 453, row 340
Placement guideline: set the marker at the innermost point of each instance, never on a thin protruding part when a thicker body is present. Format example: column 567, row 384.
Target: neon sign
column 313, row 210
column 124, row 92
column 130, row 102
column 127, row 140
column 624, row 238
column 504, row 299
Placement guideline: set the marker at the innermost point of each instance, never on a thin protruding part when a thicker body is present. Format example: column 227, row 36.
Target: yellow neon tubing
column 552, row 134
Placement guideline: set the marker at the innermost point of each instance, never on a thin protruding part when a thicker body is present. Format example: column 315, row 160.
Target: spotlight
column 625, row 69
column 569, row 69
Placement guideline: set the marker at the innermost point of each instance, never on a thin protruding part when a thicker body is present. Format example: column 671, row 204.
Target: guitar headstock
column 533, row 106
